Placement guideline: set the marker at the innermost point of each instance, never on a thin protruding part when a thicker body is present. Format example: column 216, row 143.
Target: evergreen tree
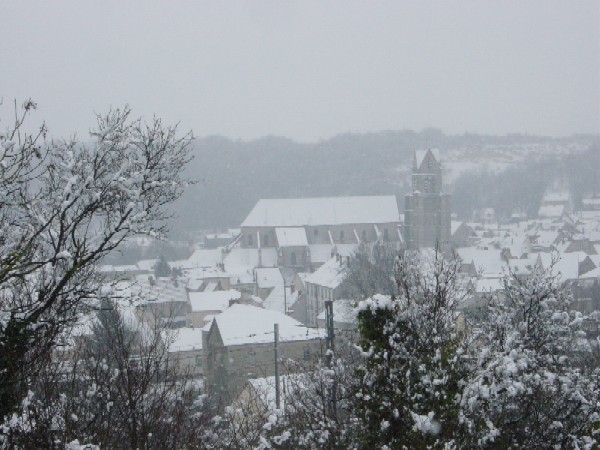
column 413, row 372
column 162, row 268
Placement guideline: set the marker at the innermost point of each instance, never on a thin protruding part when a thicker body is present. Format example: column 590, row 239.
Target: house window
column 364, row 235
column 266, row 240
column 316, row 232
column 342, row 235
column 386, row 235
column 250, row 241
column 293, row 257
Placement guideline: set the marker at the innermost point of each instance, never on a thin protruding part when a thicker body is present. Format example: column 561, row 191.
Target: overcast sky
column 308, row 70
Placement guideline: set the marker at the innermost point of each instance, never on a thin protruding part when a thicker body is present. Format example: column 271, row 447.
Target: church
column 427, row 209
column 303, row 228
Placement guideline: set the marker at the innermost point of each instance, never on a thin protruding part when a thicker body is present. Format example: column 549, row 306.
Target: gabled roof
column 212, row 301
column 331, row 274
column 183, row 339
column 291, row 237
column 245, row 324
column 298, row 212
column 268, row 277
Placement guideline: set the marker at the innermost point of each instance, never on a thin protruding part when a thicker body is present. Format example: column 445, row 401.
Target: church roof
column 298, row 212
column 421, row 154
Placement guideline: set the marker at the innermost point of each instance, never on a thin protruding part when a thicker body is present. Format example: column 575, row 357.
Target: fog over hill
column 232, row 175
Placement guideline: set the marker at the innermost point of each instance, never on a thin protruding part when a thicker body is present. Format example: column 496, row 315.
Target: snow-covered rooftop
column 183, row 339
column 201, row 258
column 489, row 262
column 161, row 289
column 212, row 301
column 320, row 253
column 331, row 274
column 240, row 262
column 567, row 264
column 551, row 210
column 268, row 277
column 296, row 212
column 556, row 197
column 291, row 237
column 245, row 324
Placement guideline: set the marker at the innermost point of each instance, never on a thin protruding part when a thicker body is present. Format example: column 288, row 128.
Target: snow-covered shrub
column 528, row 389
column 414, row 369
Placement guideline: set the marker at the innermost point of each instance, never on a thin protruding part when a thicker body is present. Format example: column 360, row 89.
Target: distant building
column 427, row 209
column 555, row 205
column 303, row 231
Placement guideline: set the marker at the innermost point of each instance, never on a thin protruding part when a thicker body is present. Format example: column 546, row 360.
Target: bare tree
column 117, row 387
column 371, row 271
column 63, row 206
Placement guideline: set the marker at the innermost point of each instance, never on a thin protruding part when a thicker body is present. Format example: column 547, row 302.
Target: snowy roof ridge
column 257, row 326
column 297, row 212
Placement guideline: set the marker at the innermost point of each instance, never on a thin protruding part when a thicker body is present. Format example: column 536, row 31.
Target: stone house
column 207, row 304
column 185, row 350
column 239, row 345
column 323, row 284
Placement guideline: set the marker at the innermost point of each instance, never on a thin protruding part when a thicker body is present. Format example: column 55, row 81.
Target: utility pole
column 330, row 355
column 329, row 324
column 277, row 392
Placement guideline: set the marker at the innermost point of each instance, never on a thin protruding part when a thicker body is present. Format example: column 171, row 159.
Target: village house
column 184, row 347
column 322, row 285
column 208, row 304
column 239, row 345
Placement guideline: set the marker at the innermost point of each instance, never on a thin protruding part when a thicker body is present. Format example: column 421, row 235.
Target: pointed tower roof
column 420, row 156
